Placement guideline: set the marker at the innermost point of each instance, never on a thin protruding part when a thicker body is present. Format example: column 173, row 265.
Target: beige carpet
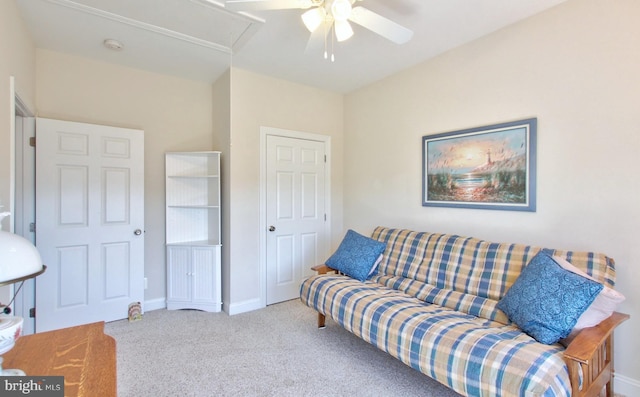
column 277, row 351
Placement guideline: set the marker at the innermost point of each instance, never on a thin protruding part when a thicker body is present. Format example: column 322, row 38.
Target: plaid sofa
column 432, row 305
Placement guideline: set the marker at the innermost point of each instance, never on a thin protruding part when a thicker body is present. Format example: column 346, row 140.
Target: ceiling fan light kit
column 343, row 30
column 313, row 18
column 335, row 15
column 341, row 10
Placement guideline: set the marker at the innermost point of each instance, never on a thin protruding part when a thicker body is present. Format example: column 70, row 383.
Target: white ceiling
column 199, row 39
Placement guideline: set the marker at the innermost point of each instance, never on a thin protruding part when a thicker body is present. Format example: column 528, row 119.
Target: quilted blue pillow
column 356, row 255
column 547, row 300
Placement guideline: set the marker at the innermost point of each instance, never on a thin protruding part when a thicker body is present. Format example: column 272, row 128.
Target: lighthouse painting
column 490, row 167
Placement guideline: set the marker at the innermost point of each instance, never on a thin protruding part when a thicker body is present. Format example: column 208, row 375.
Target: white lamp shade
column 313, row 18
column 341, row 10
column 18, row 257
column 343, row 30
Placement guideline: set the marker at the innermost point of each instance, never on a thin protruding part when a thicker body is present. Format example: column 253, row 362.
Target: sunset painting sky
column 463, row 154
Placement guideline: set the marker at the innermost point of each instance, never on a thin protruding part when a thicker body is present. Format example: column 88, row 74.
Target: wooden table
column 84, row 355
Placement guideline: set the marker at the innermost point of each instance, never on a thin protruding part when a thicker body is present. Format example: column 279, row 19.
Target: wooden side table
column 84, row 355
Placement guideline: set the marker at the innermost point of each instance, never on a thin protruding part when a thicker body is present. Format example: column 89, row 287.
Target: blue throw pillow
column 356, row 255
column 547, row 300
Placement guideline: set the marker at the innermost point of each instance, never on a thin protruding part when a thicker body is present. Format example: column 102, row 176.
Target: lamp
column 19, row 261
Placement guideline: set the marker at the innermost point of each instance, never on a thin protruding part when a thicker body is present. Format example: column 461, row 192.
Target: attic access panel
column 202, row 20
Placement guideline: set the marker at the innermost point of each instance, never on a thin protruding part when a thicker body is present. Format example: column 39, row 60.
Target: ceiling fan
column 330, row 13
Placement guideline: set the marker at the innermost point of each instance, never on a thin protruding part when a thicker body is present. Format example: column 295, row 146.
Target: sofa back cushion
column 466, row 273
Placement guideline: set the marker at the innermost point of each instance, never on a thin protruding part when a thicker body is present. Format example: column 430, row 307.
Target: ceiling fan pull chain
column 333, row 40
column 324, row 26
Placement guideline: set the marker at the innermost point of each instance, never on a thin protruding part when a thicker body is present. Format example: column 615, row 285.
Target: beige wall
column 17, row 59
column 258, row 101
column 175, row 114
column 222, row 142
column 180, row 115
column 575, row 68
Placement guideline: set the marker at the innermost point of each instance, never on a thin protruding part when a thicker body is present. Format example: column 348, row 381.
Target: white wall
column 575, row 68
column 175, row 114
column 257, row 101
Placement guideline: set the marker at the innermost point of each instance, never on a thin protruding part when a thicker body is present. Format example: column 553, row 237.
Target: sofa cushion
column 464, row 273
column 356, row 256
column 471, row 355
column 546, row 300
column 460, row 301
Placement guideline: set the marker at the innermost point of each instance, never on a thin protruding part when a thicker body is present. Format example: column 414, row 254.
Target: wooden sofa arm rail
column 589, row 357
column 323, row 269
column 583, row 346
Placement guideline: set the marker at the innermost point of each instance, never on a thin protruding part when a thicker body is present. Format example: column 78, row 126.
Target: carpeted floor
column 277, row 351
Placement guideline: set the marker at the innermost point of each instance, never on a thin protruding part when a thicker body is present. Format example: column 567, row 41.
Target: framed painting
column 491, row 167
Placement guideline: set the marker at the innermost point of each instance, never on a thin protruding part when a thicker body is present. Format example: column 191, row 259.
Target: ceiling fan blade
column 260, row 5
column 380, row 25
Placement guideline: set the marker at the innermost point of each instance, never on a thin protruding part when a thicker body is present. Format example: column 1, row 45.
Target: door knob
column 272, row 228
column 137, row 232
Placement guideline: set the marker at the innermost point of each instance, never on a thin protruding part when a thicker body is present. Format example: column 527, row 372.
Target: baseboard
column 243, row 307
column 155, row 304
column 626, row 386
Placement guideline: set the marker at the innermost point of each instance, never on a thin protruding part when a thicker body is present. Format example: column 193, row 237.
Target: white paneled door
column 296, row 236
column 89, row 222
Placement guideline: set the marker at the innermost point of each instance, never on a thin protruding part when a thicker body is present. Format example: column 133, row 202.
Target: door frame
column 22, row 188
column 25, row 208
column 271, row 131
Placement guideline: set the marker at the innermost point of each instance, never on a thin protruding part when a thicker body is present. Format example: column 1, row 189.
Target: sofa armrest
column 583, row 346
column 323, row 269
column 591, row 353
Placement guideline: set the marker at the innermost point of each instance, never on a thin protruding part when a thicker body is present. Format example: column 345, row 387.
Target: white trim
column 625, row 386
column 154, row 304
column 16, row 105
column 245, row 306
column 21, row 122
column 24, row 211
column 12, row 154
column 21, row 108
column 270, row 131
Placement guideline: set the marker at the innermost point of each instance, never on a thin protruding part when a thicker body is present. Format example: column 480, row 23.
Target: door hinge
column 325, row 157
column 32, row 227
column 325, row 217
column 32, row 141
column 32, row 312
